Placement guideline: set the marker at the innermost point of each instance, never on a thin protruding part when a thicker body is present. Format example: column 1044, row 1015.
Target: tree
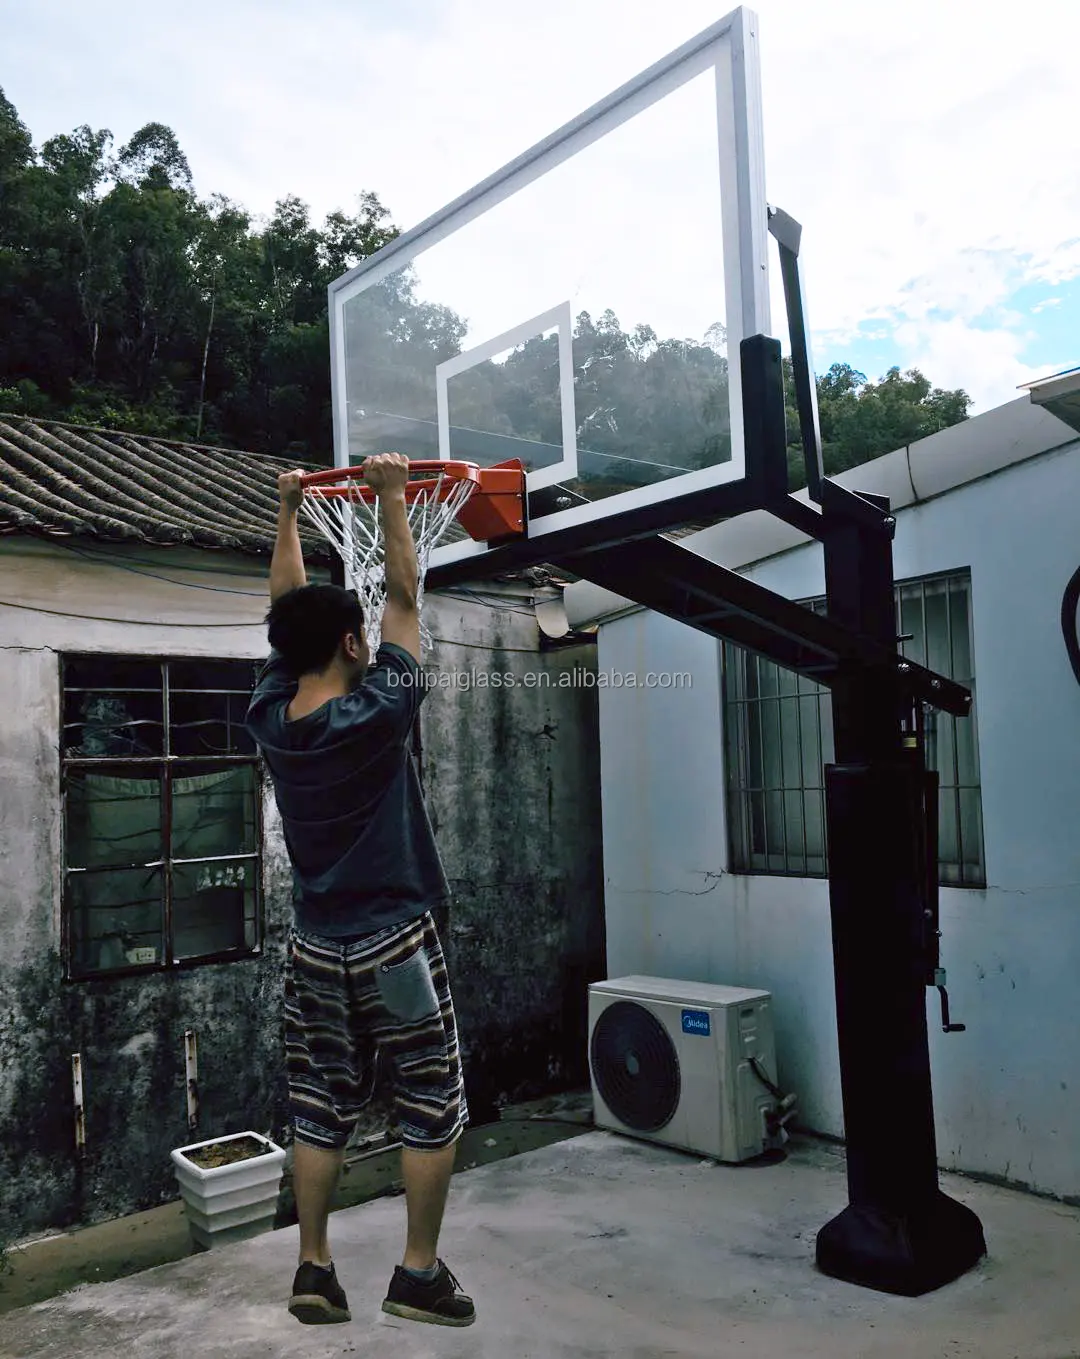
column 861, row 420
column 66, row 193
column 153, row 159
column 225, row 265
column 125, row 300
column 348, row 240
column 16, row 149
column 16, row 156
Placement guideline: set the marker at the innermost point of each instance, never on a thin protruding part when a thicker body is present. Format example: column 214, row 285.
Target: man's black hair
column 306, row 625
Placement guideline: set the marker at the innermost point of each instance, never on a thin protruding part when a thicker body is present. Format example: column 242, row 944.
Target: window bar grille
column 763, row 794
column 802, row 776
column 955, row 742
column 166, row 820
column 165, row 766
column 216, row 858
column 778, row 707
column 752, row 751
column 743, row 794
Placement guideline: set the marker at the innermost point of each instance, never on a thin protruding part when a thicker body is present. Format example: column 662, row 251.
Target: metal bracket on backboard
column 788, row 235
column 830, row 495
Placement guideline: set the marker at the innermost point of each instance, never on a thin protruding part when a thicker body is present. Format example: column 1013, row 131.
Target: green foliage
column 861, row 420
column 650, row 401
column 16, row 148
column 109, row 408
column 127, row 302
column 25, row 398
column 153, row 158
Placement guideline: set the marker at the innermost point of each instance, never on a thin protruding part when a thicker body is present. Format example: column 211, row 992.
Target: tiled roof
column 60, row 480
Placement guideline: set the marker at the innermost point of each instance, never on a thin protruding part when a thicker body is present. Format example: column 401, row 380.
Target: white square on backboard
column 559, row 317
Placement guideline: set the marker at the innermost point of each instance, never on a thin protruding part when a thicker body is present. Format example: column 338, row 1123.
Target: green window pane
column 112, row 819
column 213, row 907
column 214, row 811
column 116, row 918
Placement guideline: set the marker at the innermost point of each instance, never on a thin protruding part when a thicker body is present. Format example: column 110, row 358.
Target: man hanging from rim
column 365, row 970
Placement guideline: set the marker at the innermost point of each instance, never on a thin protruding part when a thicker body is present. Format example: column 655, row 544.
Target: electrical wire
column 169, row 580
column 546, row 1118
column 484, row 646
column 236, row 623
column 759, row 1072
column 494, row 602
column 133, row 622
column 103, row 554
column 475, row 596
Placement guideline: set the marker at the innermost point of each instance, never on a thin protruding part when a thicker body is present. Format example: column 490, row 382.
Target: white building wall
column 1007, row 1091
column 664, row 849
column 115, row 600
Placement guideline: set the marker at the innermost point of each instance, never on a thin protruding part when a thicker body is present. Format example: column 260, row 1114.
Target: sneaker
column 440, row 1301
column 317, row 1296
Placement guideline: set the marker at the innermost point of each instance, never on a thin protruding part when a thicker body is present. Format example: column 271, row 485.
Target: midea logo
column 696, row 1021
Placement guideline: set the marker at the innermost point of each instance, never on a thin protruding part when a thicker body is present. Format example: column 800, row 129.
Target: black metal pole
column 899, row 1233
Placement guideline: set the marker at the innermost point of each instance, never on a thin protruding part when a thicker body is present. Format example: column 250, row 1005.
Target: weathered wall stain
column 135, row 1102
column 512, row 779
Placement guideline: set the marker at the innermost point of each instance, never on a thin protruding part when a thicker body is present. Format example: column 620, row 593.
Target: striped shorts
column 347, row 1001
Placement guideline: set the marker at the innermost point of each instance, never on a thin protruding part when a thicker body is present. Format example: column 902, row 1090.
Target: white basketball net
column 351, row 526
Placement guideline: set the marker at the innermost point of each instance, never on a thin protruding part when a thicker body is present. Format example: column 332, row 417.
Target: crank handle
column 939, row 983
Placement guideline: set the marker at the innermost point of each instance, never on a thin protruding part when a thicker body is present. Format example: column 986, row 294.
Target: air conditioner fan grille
column 635, row 1066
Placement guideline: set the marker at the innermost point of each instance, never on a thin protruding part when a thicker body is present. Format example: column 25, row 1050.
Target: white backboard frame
column 730, row 46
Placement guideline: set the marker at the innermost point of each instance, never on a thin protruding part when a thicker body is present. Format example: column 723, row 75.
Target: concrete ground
column 600, row 1246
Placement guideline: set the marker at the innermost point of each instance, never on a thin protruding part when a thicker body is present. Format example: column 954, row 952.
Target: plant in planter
column 229, row 1186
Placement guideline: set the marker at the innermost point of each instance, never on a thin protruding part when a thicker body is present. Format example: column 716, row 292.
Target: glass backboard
column 582, row 308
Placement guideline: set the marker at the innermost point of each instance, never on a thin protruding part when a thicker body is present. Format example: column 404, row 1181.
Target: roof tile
column 69, row 480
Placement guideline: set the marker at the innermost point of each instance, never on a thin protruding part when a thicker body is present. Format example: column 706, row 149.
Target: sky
column 927, row 148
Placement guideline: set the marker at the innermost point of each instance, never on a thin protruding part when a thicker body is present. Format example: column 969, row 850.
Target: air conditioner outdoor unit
column 686, row 1064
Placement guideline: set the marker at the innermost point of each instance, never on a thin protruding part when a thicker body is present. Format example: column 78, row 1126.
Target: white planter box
column 230, row 1203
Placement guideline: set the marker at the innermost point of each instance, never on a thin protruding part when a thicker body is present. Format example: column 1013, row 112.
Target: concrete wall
column 525, row 933
column 512, row 777
column 1007, row 1092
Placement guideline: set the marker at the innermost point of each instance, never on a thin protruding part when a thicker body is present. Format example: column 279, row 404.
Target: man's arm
column 287, row 564
column 387, row 474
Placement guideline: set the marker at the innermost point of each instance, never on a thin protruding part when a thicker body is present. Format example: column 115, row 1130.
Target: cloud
column 919, row 147
column 987, row 364
column 929, row 180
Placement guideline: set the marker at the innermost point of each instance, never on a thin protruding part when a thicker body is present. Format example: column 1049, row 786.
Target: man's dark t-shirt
column 358, row 835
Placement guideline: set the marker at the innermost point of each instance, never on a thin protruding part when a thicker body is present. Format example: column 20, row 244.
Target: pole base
column 909, row 1253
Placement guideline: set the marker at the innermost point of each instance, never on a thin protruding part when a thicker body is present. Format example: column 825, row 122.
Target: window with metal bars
column 162, row 824
column 778, row 738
